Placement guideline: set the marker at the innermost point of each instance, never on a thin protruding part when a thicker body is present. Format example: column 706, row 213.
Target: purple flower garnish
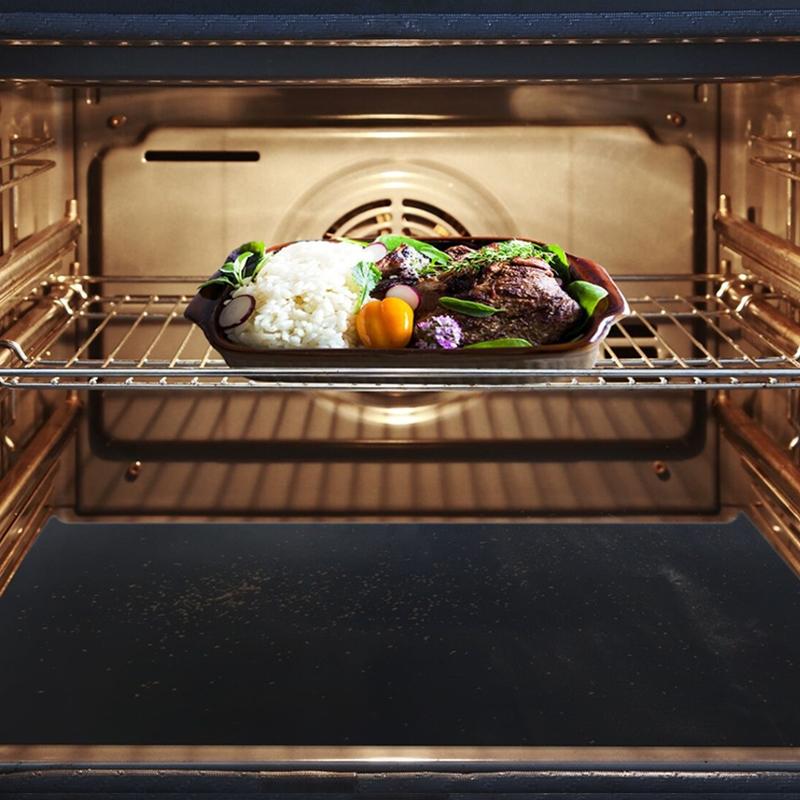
column 438, row 332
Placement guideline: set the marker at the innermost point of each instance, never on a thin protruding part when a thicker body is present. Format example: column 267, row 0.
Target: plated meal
column 399, row 293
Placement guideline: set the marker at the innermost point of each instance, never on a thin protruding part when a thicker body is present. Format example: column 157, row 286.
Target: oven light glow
column 392, row 135
column 396, row 411
column 405, row 415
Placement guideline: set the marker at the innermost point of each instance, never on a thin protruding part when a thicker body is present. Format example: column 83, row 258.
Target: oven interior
column 116, row 201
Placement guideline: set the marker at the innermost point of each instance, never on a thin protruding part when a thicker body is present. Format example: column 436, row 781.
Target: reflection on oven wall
column 36, row 185
column 175, row 178
column 758, row 122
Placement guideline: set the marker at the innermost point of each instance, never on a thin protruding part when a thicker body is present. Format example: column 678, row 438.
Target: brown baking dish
column 581, row 353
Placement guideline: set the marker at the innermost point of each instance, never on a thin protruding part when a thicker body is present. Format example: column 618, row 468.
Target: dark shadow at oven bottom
column 431, row 634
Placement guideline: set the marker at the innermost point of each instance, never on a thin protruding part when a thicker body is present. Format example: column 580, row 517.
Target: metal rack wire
column 124, row 334
column 779, row 154
column 22, row 150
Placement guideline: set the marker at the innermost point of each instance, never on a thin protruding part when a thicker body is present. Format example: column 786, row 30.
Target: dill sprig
column 516, row 248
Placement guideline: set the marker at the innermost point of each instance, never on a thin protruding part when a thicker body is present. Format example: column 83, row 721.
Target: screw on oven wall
column 133, row 471
column 116, row 120
column 676, row 118
column 661, row 470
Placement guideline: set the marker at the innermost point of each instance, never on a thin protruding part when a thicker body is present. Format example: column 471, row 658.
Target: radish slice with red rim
column 236, row 311
column 406, row 293
column 375, row 252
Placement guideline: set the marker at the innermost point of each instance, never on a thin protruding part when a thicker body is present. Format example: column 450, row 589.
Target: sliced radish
column 236, row 311
column 407, row 293
column 375, row 251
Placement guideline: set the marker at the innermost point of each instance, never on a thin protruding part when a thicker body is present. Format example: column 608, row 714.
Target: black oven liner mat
column 684, row 634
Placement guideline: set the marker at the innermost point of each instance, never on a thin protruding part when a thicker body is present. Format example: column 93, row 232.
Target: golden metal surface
column 776, row 325
column 777, row 259
column 436, row 756
column 391, row 42
column 36, row 257
column 25, row 527
column 771, row 463
column 25, row 487
column 42, row 325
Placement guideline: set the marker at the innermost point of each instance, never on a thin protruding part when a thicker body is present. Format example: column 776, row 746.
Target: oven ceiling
column 245, row 19
column 78, row 41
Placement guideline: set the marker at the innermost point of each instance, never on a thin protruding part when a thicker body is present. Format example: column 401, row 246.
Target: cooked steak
column 538, row 263
column 535, row 307
column 458, row 251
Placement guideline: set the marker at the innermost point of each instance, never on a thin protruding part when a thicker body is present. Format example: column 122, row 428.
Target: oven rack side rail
column 685, row 332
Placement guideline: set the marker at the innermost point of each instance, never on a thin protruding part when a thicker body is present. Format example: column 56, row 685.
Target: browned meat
column 430, row 290
column 535, row 306
column 539, row 263
column 458, row 251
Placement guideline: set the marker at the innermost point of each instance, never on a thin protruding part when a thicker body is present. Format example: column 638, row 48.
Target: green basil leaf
column 352, row 241
column 392, row 242
column 254, row 264
column 470, row 308
column 239, row 265
column 587, row 295
column 254, row 248
column 260, row 264
column 218, row 280
column 492, row 343
column 256, row 252
column 560, row 263
column 366, row 275
column 249, row 260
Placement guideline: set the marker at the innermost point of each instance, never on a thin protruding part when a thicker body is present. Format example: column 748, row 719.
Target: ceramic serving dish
column 581, row 353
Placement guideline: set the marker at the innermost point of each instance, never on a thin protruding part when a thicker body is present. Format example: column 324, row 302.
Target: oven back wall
column 176, row 178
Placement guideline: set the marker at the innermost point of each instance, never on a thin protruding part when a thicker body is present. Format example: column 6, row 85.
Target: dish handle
column 202, row 308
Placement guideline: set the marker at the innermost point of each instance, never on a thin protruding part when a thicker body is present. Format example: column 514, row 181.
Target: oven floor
column 429, row 634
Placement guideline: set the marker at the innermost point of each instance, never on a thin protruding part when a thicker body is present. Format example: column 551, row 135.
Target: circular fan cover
column 414, row 199
column 408, row 216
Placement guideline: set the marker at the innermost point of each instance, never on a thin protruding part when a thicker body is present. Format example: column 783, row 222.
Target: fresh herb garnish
column 366, row 275
column 560, row 263
column 436, row 256
column 552, row 254
column 491, row 343
column 587, row 295
column 255, row 248
column 470, row 308
column 243, row 268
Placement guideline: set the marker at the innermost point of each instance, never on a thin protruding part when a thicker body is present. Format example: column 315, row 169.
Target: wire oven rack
column 698, row 332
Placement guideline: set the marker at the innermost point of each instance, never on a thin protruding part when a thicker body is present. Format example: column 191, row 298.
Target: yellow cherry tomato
column 385, row 323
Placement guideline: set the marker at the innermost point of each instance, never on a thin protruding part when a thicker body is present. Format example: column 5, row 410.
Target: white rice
column 305, row 296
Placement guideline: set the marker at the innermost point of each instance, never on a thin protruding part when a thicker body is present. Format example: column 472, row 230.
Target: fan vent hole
column 409, row 217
